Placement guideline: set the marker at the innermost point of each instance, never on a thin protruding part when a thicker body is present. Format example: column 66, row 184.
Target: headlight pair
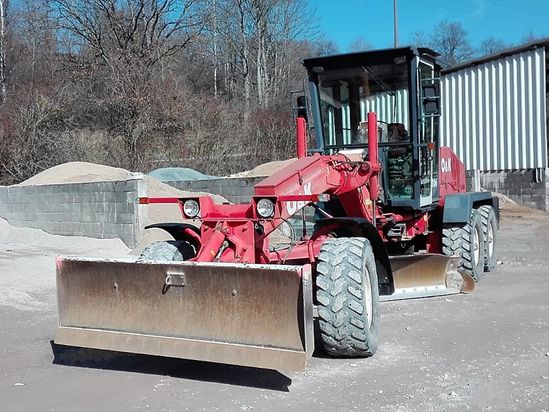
column 264, row 207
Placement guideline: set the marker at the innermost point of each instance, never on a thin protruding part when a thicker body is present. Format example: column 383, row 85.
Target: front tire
column 168, row 251
column 348, row 297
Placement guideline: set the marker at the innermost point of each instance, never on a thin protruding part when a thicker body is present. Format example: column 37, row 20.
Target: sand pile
column 506, row 203
column 159, row 189
column 510, row 208
column 504, row 200
column 84, row 172
column 165, row 213
column 77, row 172
column 266, row 169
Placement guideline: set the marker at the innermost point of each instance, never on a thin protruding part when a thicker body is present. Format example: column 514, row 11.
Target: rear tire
column 348, row 297
column 467, row 242
column 489, row 230
column 168, row 251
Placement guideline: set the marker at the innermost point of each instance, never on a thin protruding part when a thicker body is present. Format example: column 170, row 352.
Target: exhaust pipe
column 373, row 153
column 301, row 137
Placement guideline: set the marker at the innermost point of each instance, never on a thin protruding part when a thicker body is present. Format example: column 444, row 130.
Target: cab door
column 428, row 129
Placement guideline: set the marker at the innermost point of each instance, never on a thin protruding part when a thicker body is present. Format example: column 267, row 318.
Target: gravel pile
column 266, row 169
column 27, row 263
column 178, row 174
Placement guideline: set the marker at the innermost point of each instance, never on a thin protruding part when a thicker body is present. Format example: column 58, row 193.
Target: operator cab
column 402, row 86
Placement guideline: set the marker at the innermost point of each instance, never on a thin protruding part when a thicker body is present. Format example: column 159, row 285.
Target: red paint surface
column 301, row 137
column 451, row 173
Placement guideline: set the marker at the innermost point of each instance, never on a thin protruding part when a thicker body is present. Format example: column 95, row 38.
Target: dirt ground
column 485, row 351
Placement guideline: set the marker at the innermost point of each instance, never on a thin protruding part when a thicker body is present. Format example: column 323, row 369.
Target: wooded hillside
column 143, row 84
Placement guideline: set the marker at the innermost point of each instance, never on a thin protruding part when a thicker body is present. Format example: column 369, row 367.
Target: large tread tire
column 452, row 235
column 489, row 230
column 348, row 297
column 168, row 251
column 467, row 242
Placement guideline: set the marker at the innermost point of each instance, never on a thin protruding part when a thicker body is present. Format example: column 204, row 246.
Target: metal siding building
column 385, row 104
column 494, row 110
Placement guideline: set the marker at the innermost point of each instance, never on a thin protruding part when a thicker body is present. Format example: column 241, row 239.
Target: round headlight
column 191, row 208
column 265, row 208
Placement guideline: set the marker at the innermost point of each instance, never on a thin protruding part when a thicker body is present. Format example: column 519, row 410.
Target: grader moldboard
column 392, row 221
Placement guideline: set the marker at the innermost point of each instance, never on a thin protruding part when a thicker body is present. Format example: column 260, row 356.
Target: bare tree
column 39, row 139
column 324, row 47
column 125, row 46
column 420, row 39
column 37, row 45
column 360, row 44
column 143, row 30
column 128, row 83
column 531, row 36
column 492, row 45
column 214, row 15
column 452, row 42
column 254, row 42
column 234, row 31
column 3, row 74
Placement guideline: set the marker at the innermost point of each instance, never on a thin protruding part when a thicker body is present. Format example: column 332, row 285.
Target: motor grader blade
column 425, row 275
column 241, row 314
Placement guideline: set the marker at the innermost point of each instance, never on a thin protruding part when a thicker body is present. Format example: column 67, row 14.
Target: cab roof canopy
column 367, row 57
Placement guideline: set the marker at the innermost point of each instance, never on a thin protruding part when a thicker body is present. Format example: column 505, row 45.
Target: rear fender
column 180, row 231
column 458, row 206
column 356, row 227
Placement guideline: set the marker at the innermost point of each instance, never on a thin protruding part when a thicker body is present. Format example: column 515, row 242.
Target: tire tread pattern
column 168, row 251
column 457, row 240
column 340, row 295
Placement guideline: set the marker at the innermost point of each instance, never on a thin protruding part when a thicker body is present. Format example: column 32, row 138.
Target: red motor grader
column 392, row 221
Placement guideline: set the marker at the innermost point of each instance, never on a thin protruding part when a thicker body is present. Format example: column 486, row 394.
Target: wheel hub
column 369, row 302
column 490, row 240
column 476, row 249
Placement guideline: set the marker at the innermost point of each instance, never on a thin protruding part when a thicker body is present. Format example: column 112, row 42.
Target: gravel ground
column 485, row 351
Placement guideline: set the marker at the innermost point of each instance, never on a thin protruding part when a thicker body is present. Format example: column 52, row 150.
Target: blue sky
column 344, row 20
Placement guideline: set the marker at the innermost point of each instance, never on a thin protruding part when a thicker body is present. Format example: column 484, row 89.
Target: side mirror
column 430, row 97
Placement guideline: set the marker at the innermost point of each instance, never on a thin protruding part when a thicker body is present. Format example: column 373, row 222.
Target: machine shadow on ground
column 176, row 368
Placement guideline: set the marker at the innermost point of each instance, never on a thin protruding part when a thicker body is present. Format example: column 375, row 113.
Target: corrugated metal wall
column 390, row 107
column 494, row 115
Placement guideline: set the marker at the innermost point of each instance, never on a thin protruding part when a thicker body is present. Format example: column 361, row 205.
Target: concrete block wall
column 526, row 187
column 111, row 210
column 103, row 209
column 234, row 189
column 100, row 210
